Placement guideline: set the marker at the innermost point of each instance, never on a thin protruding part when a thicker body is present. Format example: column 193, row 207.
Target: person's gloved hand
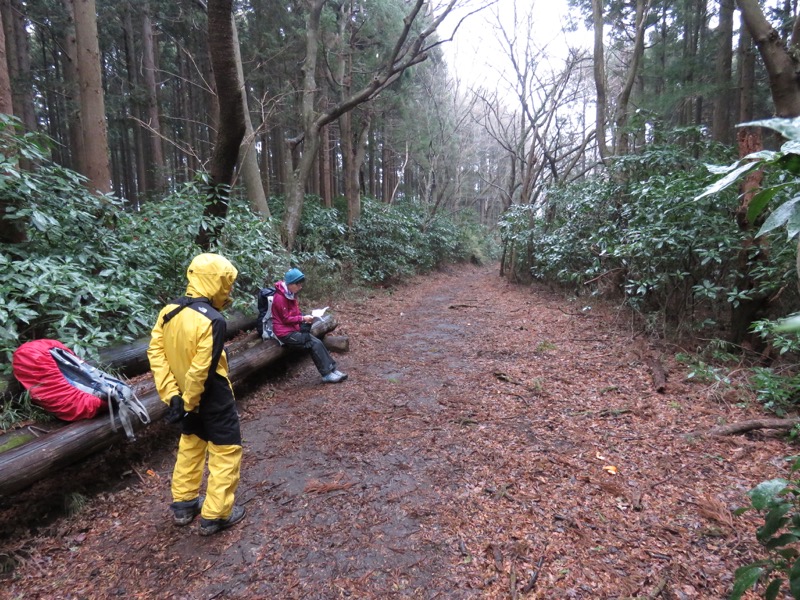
column 176, row 411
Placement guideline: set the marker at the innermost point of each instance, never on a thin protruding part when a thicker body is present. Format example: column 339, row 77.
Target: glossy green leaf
column 774, row 587
column 794, row 579
column 782, row 540
column 759, row 202
column 788, row 128
column 780, row 216
column 773, row 521
column 728, row 180
column 745, row 578
column 765, row 494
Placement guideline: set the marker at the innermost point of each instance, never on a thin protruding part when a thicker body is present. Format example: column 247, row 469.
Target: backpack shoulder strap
column 182, row 303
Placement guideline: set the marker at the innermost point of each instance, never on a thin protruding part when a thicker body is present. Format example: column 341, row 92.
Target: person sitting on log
column 190, row 369
column 293, row 328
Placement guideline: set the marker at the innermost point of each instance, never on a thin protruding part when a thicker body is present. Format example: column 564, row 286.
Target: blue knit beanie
column 294, row 276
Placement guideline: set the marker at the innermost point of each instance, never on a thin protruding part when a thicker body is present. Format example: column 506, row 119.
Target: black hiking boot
column 184, row 513
column 211, row 526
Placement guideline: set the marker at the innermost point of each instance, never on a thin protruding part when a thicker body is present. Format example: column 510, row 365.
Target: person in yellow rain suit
column 190, row 368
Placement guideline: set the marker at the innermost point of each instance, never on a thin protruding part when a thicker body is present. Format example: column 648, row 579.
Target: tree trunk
column 72, row 91
column 93, row 114
column 135, row 112
column 780, row 61
column 600, row 79
column 188, row 102
column 10, row 231
column 6, row 106
column 746, row 76
column 359, row 154
column 300, row 161
column 409, row 49
column 231, row 117
column 623, row 99
column 745, row 426
column 721, row 122
column 24, row 465
column 325, row 167
column 277, row 158
column 248, row 159
column 155, row 160
column 19, row 63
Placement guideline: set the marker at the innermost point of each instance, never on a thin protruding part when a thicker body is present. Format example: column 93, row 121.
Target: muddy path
column 492, row 441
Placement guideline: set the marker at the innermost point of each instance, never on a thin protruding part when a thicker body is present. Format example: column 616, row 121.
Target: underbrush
column 649, row 233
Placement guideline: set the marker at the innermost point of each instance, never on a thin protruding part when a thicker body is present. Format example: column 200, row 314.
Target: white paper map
column 317, row 313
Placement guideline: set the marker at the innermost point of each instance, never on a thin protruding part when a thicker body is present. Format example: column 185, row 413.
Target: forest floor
column 492, row 441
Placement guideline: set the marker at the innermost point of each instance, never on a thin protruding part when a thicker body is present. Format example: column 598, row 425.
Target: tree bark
column 135, row 110
column 72, row 91
column 778, row 56
column 6, row 106
column 600, row 79
column 248, row 159
column 155, row 160
column 721, row 121
column 623, row 99
column 325, row 187
column 92, row 101
column 24, row 465
column 19, row 62
column 231, row 118
column 10, row 231
column 745, row 426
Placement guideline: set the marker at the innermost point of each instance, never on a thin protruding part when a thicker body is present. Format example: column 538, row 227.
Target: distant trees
column 660, row 65
column 320, row 128
column 335, row 101
column 411, row 36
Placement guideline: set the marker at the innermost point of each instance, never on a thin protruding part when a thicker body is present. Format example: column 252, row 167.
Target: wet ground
column 492, row 441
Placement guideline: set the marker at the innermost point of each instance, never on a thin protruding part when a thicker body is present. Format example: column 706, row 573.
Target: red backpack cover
column 36, row 369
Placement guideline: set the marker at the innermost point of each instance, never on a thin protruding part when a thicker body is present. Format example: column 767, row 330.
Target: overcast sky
column 476, row 55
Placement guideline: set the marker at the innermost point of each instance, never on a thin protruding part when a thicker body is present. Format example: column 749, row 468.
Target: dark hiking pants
column 319, row 353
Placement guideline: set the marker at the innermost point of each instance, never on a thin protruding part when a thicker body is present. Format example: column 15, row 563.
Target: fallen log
column 745, row 426
column 128, row 360
column 24, row 465
column 131, row 359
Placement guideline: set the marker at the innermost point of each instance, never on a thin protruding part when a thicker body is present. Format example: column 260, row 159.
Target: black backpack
column 266, row 296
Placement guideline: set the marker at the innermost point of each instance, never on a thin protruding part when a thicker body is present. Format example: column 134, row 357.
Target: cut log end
column 337, row 343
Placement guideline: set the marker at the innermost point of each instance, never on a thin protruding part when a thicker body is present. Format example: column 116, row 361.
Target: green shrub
column 649, row 234
column 778, row 501
column 387, row 244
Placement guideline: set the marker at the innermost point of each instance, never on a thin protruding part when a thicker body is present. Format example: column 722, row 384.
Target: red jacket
column 286, row 315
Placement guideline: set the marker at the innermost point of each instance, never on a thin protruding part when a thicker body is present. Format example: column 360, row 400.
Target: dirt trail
column 467, row 456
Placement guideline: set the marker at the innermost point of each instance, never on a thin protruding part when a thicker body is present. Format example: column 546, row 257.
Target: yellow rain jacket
column 187, row 358
column 187, row 353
